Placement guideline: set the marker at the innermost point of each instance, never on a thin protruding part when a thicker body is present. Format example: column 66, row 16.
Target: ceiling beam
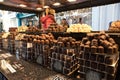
column 86, row 4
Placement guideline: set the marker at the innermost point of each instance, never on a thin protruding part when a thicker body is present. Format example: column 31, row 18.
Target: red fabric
column 47, row 20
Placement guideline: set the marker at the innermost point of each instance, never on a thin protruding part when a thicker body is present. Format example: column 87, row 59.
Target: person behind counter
column 80, row 20
column 64, row 24
column 47, row 19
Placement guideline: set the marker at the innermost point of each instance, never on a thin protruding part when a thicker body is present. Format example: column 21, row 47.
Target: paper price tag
column 29, row 45
column 92, row 75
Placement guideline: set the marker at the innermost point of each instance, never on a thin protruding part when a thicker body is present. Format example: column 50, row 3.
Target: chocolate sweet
column 82, row 47
column 111, row 40
column 87, row 48
column 93, row 49
column 110, row 69
column 84, row 40
column 68, row 59
column 103, row 37
column 94, row 42
column 109, row 60
column 87, row 43
column 62, row 57
column 100, row 49
column 115, row 49
column 107, row 44
column 110, row 50
column 68, row 44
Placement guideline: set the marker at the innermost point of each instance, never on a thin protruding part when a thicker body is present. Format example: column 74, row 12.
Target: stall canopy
column 36, row 6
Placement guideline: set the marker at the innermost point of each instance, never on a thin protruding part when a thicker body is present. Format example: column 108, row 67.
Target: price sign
column 92, row 75
column 29, row 45
column 57, row 66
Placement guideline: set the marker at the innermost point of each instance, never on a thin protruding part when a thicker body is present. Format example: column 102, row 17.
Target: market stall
column 76, row 52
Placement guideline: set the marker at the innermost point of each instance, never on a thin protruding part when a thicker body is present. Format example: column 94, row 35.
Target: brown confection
column 87, row 43
column 102, row 32
column 111, row 40
column 84, row 40
column 87, row 48
column 55, row 42
column 73, row 40
column 93, row 49
column 70, row 38
column 76, row 44
column 73, row 44
column 90, row 36
column 62, row 57
column 115, row 49
column 103, row 37
column 38, row 41
column 68, row 44
column 110, row 50
column 49, row 34
column 94, row 42
column 96, row 36
column 63, row 40
column 100, row 49
column 101, row 41
column 42, row 41
column 107, row 44
column 62, row 44
column 59, row 38
column 47, row 42
column 109, row 60
column 68, row 59
column 34, row 40
column 82, row 47
column 110, row 69
column 70, row 53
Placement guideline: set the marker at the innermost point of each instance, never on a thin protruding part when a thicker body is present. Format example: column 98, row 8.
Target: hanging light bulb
column 71, row 0
column 45, row 6
column 39, row 9
column 1, row 0
column 56, row 4
column 22, row 5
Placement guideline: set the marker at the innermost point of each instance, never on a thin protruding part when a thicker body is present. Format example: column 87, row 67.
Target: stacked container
column 98, row 57
column 63, row 55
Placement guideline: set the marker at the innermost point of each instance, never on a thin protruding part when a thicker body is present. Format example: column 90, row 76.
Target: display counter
column 54, row 51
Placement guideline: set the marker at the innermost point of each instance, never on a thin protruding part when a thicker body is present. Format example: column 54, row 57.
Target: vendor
column 80, row 20
column 48, row 18
column 64, row 24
